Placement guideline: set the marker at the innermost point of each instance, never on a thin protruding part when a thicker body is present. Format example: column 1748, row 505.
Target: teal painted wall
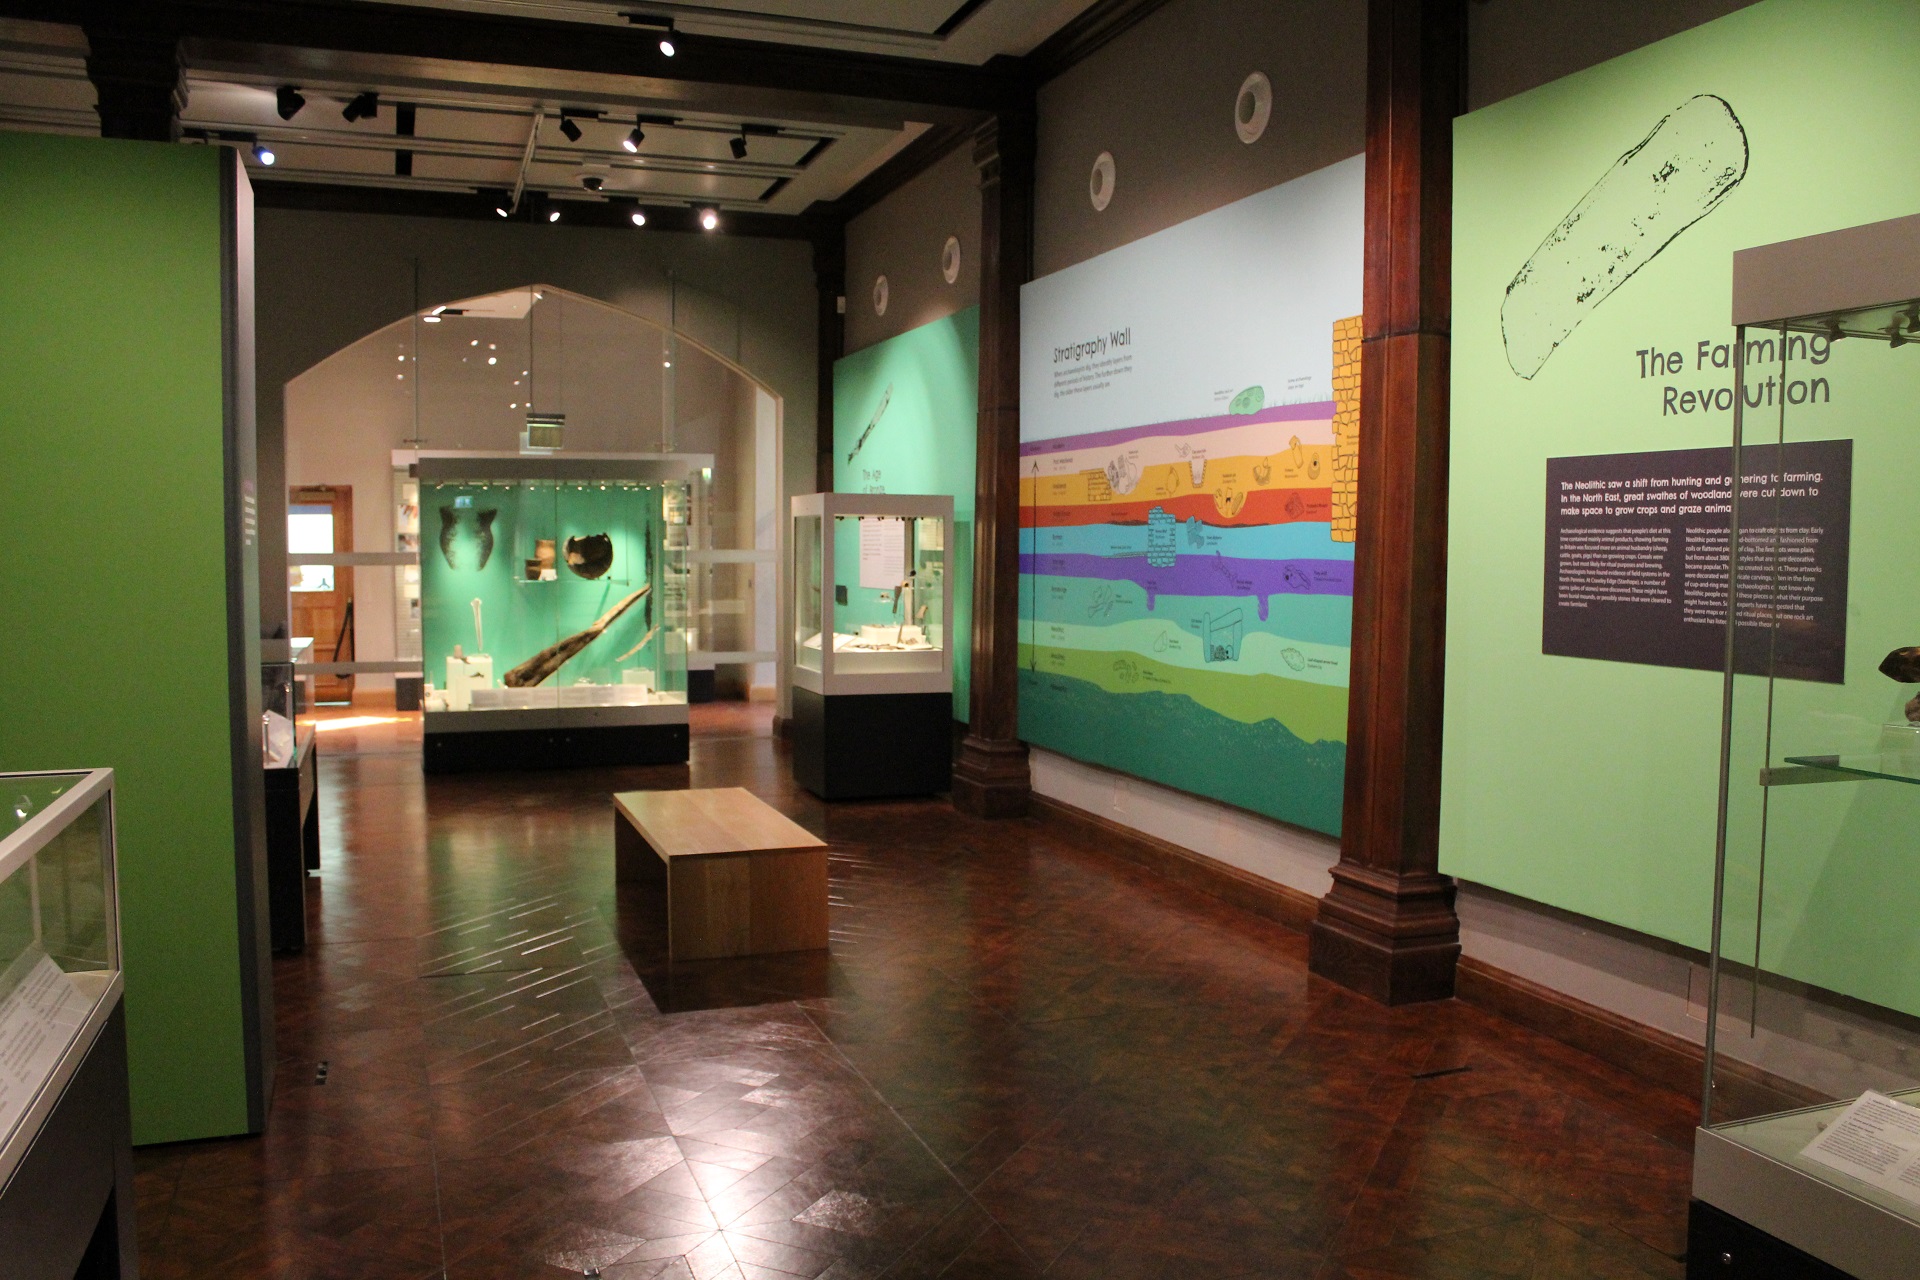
column 924, row 443
column 112, row 588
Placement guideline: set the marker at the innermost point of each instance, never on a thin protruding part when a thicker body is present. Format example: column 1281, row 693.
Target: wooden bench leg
column 634, row 861
column 789, row 901
column 709, row 907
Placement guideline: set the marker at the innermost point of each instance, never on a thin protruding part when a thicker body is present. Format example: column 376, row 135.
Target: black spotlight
column 288, row 100
column 633, row 140
column 593, row 182
column 739, row 146
column 365, row 106
column 667, row 41
column 569, row 128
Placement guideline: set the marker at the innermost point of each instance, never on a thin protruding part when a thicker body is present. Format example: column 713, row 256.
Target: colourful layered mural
column 1187, row 582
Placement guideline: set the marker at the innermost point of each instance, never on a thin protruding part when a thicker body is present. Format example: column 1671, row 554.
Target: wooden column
column 990, row 776
column 1388, row 927
column 830, row 284
column 138, row 79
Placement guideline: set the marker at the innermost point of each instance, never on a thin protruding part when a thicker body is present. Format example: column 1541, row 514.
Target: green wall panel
column 1591, row 785
column 114, row 650
column 929, row 380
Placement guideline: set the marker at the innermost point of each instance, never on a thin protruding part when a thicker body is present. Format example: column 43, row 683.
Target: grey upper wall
column 902, row 238
column 1517, row 45
column 1161, row 99
column 326, row 280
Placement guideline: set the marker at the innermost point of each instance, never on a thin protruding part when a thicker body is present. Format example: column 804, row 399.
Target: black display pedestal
column 67, row 1212
column 293, row 843
column 861, row 746
column 587, row 746
column 1722, row 1247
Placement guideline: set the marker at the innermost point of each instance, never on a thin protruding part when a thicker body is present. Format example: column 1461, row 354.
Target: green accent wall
column 1591, row 785
column 114, row 586
column 925, row 442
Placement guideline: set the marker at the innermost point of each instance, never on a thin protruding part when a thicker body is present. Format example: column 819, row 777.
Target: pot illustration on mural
column 590, row 556
column 1675, row 176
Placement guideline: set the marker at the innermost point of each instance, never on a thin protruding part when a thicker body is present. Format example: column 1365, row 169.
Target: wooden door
column 320, row 518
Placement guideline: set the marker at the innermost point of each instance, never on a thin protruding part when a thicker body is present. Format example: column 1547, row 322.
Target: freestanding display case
column 1814, row 989
column 292, row 764
column 873, row 660
column 66, row 1159
column 553, row 609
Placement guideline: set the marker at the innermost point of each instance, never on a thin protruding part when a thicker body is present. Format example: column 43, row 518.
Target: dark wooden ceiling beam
column 818, row 80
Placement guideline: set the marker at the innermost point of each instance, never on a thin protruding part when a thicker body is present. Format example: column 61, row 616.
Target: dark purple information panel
column 1637, row 558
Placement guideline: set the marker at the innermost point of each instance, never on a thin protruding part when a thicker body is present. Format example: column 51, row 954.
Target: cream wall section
column 327, row 280
column 902, row 237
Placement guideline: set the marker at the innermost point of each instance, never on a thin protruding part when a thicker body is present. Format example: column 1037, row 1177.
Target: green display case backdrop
column 906, row 420
column 114, row 588
column 1590, row 784
column 503, row 522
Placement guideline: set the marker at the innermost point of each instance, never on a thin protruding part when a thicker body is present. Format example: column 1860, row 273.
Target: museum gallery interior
column 959, row 638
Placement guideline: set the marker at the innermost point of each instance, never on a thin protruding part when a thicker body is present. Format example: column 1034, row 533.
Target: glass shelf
column 1894, row 767
column 1783, row 1136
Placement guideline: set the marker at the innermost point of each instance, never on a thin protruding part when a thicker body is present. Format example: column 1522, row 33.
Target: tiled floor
column 1021, row 1057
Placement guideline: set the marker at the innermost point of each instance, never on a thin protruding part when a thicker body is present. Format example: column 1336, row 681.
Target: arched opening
column 534, row 372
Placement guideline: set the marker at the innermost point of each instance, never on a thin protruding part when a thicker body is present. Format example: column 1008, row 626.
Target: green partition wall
column 905, row 420
column 131, row 621
column 1591, row 785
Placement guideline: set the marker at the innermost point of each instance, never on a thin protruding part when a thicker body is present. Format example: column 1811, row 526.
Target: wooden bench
column 741, row 879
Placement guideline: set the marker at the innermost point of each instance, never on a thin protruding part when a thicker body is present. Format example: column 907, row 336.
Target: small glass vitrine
column 1810, row 1132
column 59, row 940
column 873, row 651
column 873, row 592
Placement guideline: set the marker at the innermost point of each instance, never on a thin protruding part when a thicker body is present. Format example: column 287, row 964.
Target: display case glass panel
column 59, row 936
column 872, row 571
column 548, row 584
column 279, row 708
column 1814, row 990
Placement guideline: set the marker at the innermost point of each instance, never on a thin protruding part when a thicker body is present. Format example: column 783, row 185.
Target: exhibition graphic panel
column 1189, row 448
column 1595, row 223
column 905, row 421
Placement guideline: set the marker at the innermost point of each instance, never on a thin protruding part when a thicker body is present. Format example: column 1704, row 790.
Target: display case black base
column 587, row 746
column 863, row 746
column 1722, row 1247
column 700, row 685
column 293, row 843
column 67, row 1212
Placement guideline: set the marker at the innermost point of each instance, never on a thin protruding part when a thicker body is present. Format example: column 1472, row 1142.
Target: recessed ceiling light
column 709, row 219
column 639, row 218
column 553, row 215
column 593, row 182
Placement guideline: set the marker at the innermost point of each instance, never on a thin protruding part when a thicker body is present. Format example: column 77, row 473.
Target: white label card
column 883, row 552
column 38, row 1020
column 1876, row 1140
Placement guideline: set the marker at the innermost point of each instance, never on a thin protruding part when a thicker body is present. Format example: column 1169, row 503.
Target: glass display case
column 59, row 941
column 873, row 656
column 1808, row 1155
column 553, row 609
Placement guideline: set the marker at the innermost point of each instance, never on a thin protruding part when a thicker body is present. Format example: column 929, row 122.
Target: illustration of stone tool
column 886, row 398
column 1676, row 176
column 536, row 669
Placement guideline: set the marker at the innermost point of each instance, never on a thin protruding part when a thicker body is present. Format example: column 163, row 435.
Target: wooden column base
column 990, row 778
column 1391, row 937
